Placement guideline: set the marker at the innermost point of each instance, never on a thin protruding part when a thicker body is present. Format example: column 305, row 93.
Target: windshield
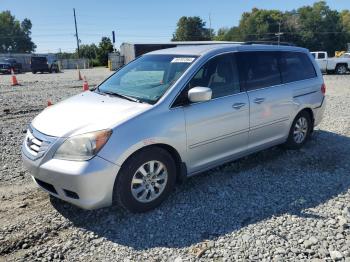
column 147, row 78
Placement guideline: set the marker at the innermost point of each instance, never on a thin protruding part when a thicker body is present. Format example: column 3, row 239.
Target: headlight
column 83, row 147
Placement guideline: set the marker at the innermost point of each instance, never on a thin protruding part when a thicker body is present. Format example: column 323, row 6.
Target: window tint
column 296, row 66
column 259, row 69
column 220, row 75
column 321, row 55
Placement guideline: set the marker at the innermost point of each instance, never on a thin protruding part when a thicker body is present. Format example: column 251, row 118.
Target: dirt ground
column 274, row 205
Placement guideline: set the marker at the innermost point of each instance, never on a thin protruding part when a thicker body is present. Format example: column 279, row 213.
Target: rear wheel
column 145, row 180
column 341, row 69
column 299, row 131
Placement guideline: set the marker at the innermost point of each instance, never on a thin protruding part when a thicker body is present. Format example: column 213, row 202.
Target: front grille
column 4, row 66
column 33, row 143
column 36, row 144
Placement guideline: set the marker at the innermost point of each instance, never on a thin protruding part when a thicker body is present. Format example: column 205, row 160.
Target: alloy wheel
column 149, row 181
column 300, row 130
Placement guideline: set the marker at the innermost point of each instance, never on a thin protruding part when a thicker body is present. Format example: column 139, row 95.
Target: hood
column 84, row 113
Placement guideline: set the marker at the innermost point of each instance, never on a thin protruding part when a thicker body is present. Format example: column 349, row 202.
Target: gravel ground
column 274, row 205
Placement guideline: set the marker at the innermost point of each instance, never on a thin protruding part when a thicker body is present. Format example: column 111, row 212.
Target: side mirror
column 199, row 94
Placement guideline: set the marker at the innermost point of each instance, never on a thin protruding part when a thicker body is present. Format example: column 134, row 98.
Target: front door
column 216, row 129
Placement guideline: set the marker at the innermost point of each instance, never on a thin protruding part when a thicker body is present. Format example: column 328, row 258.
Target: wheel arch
column 181, row 170
column 311, row 114
column 342, row 63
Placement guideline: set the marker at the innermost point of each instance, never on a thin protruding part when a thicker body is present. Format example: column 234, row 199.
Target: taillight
column 323, row 89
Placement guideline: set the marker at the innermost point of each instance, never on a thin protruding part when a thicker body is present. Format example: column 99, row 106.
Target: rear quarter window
column 296, row 66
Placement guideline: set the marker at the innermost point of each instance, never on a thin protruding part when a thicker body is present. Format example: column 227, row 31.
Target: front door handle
column 259, row 100
column 238, row 105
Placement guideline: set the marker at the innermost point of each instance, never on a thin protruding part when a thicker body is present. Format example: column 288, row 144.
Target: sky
column 132, row 20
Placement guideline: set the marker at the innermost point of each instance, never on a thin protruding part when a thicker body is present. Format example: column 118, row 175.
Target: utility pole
column 113, row 40
column 210, row 26
column 76, row 31
column 279, row 33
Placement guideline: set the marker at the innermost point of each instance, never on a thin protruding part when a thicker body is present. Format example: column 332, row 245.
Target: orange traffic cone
column 85, row 85
column 49, row 103
column 14, row 81
column 79, row 75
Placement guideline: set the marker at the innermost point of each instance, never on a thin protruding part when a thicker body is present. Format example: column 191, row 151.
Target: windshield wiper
column 121, row 96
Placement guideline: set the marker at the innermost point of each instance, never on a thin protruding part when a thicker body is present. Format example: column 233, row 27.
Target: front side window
column 147, row 78
column 259, row 69
column 219, row 74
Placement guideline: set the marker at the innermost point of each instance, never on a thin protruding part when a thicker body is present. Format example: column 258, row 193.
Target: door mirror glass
column 199, row 94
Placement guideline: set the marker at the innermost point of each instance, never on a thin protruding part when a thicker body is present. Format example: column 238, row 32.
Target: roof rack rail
column 268, row 43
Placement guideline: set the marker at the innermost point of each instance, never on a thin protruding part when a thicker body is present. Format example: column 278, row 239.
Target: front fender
column 152, row 127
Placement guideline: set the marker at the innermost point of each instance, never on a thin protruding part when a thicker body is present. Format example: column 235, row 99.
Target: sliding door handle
column 238, row 105
column 259, row 100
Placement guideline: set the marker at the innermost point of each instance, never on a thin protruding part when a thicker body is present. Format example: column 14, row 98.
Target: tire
column 341, row 69
column 34, row 72
column 294, row 140
column 137, row 197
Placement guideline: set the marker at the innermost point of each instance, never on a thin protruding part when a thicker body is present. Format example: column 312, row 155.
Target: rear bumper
column 87, row 184
column 319, row 111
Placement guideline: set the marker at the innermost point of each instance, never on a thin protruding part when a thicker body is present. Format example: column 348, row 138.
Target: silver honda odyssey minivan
column 171, row 114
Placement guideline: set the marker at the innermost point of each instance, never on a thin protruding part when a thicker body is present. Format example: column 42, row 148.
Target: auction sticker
column 182, row 60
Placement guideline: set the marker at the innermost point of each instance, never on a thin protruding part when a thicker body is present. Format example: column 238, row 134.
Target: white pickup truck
column 339, row 65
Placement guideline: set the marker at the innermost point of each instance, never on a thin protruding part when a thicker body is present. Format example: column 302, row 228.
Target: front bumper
column 87, row 184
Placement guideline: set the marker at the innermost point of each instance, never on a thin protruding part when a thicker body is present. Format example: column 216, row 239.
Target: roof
column 199, row 50
column 181, row 43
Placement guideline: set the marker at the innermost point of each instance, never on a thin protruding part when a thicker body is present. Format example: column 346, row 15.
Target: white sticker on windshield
column 182, row 60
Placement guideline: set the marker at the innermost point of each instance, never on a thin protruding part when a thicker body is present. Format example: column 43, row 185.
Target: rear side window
column 321, row 55
column 259, row 69
column 296, row 66
column 39, row 59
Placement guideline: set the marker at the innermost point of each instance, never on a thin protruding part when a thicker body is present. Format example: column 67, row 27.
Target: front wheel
column 299, row 131
column 145, row 180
